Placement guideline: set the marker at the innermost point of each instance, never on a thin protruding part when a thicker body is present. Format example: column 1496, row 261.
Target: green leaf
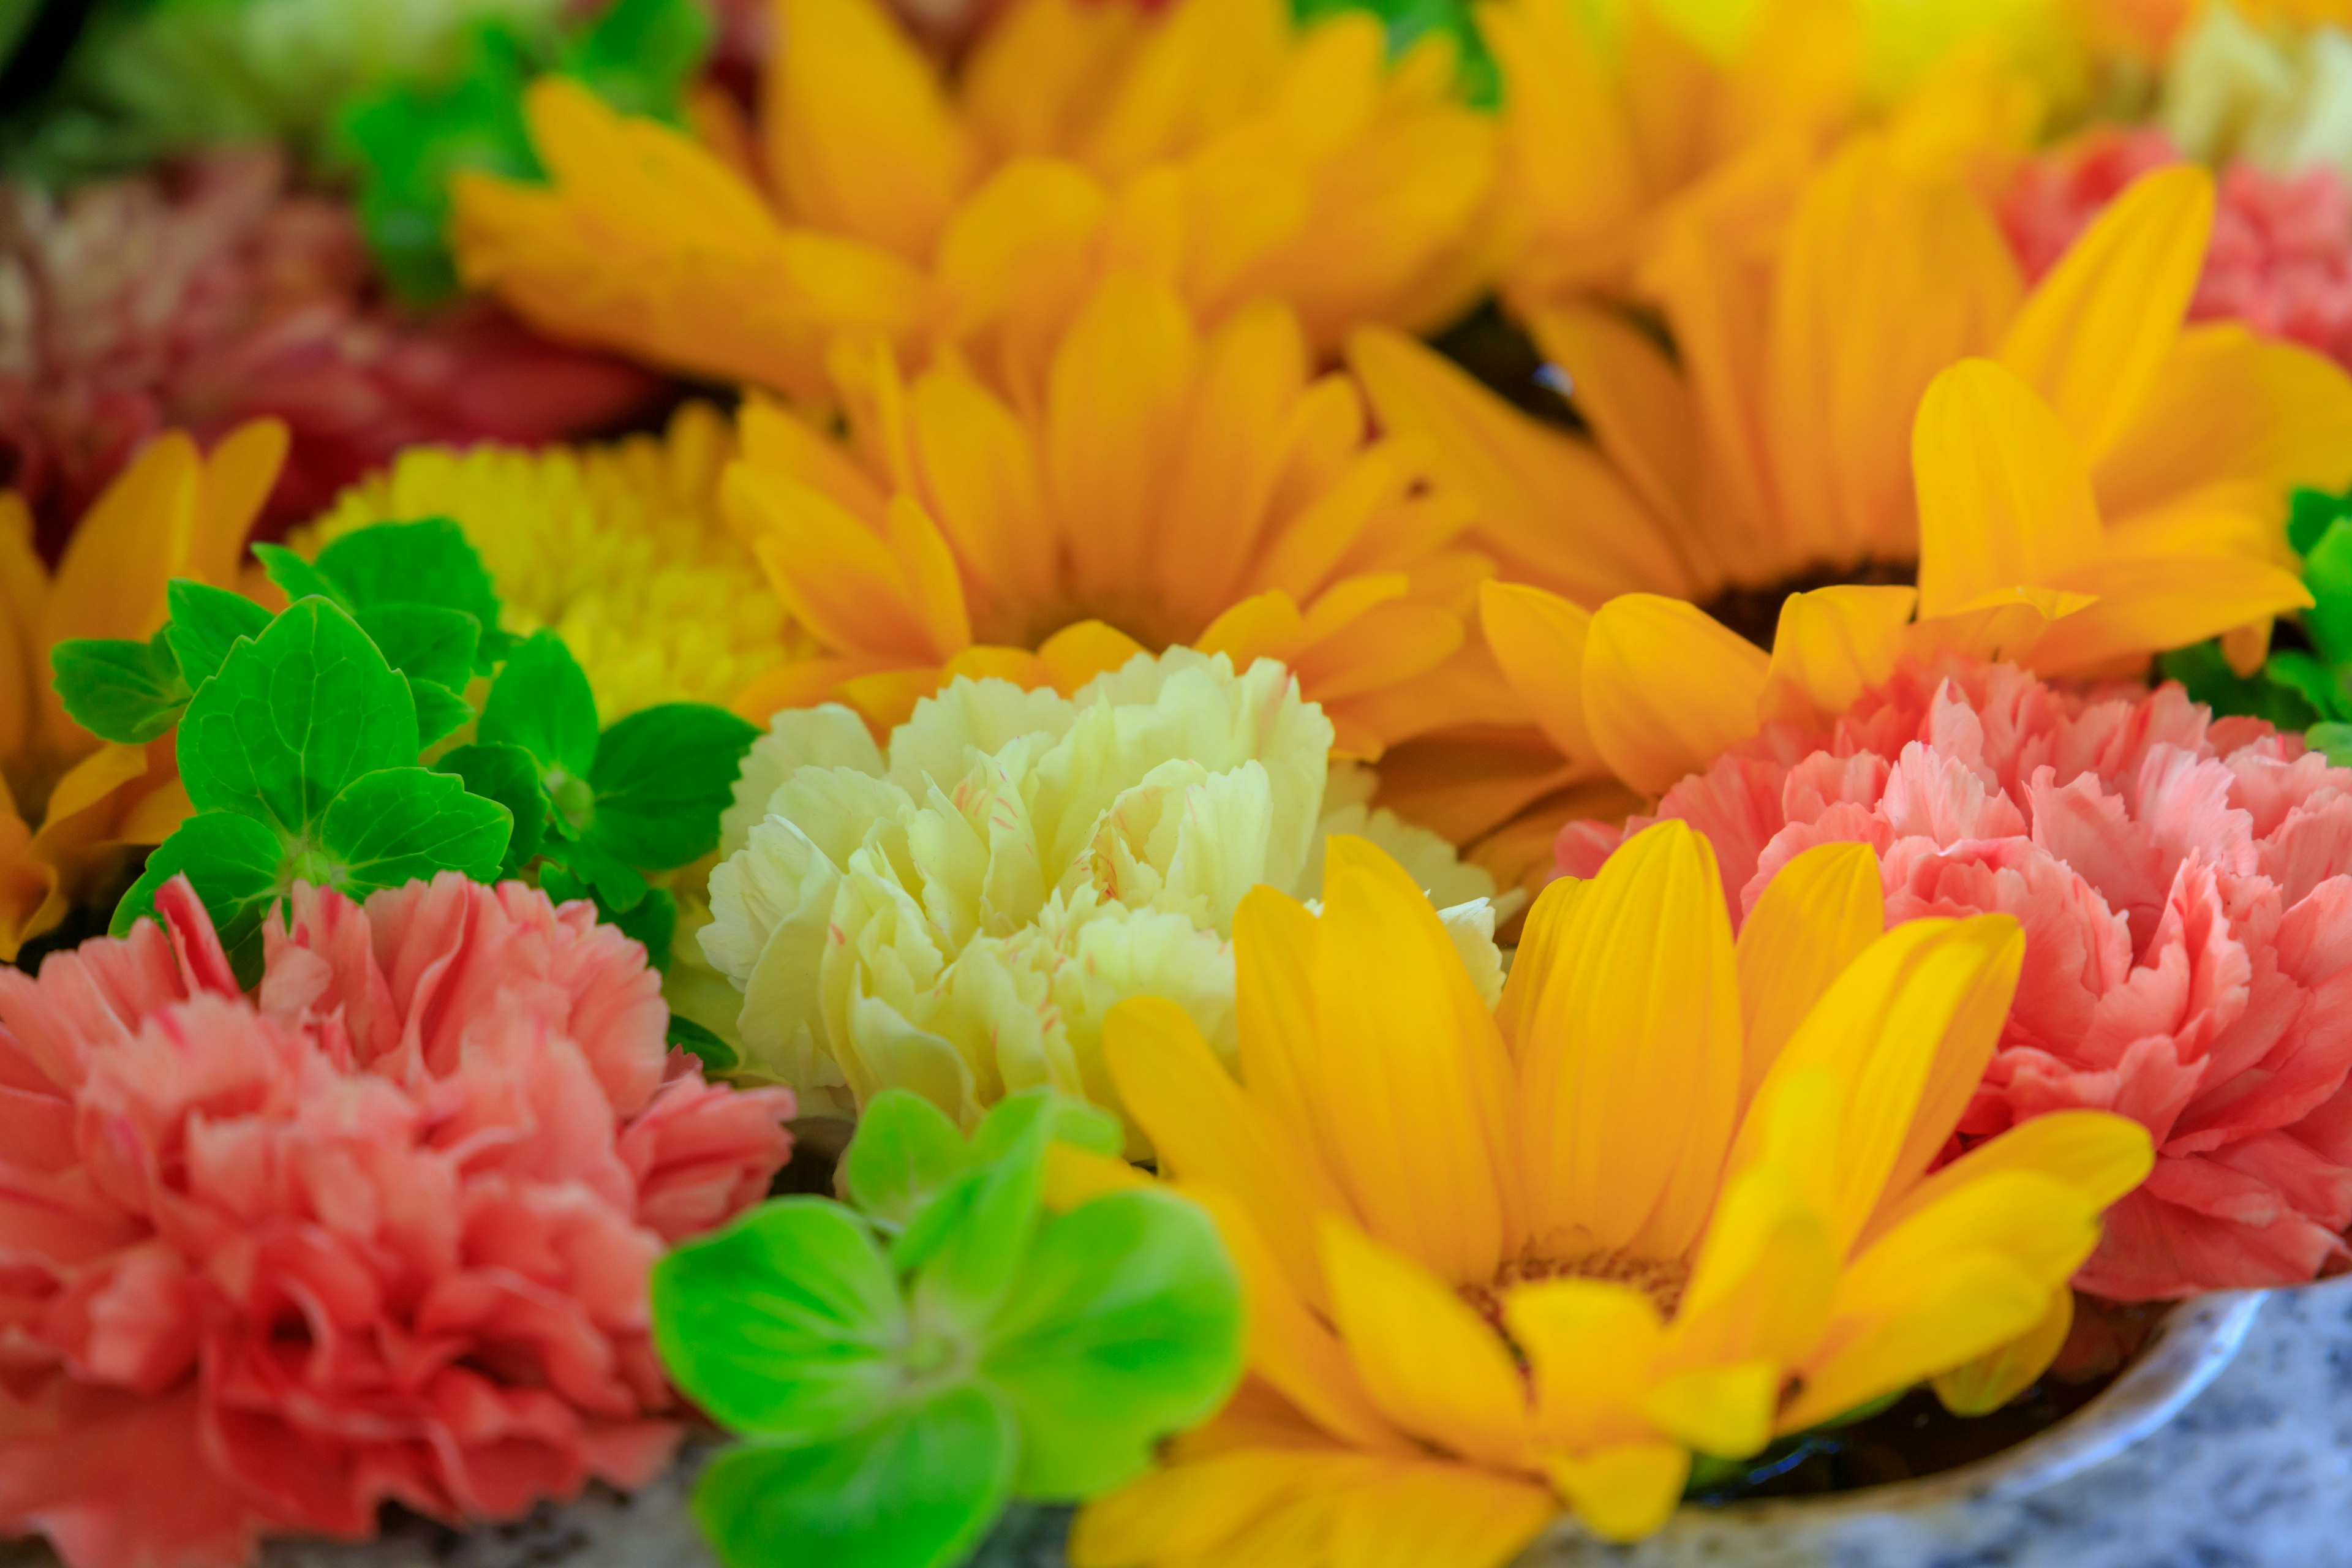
column 2309, row 515
column 440, row 712
column 1477, row 78
column 506, row 774
column 424, row 642
column 541, row 702
column 404, row 824
column 2335, row 740
column 1068, row 1120
column 617, row 887
column 237, row 865
column 428, row 561
column 783, row 1324
column 2327, row 572
column 662, row 777
column 1123, row 1327
column 206, row 622
column 964, row 1247
column 915, row 1489
column 292, row 716
column 2209, row 680
column 296, row 577
column 715, row 1054
column 905, row 1151
column 118, row 689
column 651, row 923
column 639, row 54
column 2312, row 682
column 408, row 140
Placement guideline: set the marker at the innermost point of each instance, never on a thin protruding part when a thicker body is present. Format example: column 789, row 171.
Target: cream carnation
column 956, row 913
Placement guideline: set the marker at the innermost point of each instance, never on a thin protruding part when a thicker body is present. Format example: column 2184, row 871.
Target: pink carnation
column 2280, row 259
column 2185, row 890
column 214, row 294
column 381, row 1233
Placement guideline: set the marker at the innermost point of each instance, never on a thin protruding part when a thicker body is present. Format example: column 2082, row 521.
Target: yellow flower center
column 1662, row 1279
column 1754, row 611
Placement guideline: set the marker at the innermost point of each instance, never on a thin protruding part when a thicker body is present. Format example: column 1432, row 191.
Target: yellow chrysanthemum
column 1672, row 1196
column 68, row 800
column 2110, row 453
column 1167, row 487
column 1616, row 115
column 956, row 913
column 1236, row 154
column 620, row 548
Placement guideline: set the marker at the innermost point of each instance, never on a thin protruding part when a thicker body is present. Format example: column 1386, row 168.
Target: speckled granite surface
column 2255, row 1473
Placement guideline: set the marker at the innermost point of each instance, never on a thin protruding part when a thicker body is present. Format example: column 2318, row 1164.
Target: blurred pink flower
column 381, row 1233
column 2281, row 257
column 2186, row 888
column 205, row 297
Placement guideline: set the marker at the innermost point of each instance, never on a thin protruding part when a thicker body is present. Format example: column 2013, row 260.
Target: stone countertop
column 2256, row 1473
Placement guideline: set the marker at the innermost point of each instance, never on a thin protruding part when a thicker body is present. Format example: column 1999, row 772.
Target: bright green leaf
column 297, row 578
column 541, row 702
column 1123, row 1326
column 506, row 774
column 2209, row 680
column 118, row 689
column 424, row 642
column 715, row 1054
column 428, row 561
column 964, row 1247
column 638, row 55
column 651, row 923
column 2310, row 513
column 2312, row 682
column 408, row 140
column 206, row 622
column 237, row 865
column 662, row 777
column 440, row 712
column 2335, row 740
column 401, row 824
column 783, row 1324
column 905, row 1151
column 292, row 716
column 617, row 888
column 1068, row 1120
column 915, row 1489
column 2327, row 572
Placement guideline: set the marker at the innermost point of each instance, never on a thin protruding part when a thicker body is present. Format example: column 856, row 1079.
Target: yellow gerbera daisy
column 1242, row 156
column 1672, row 1197
column 68, row 800
column 620, row 548
column 1168, row 486
column 2110, row 452
column 2014, row 564
column 1615, row 115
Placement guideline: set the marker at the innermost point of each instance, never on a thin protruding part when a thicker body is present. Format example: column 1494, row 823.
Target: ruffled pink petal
column 703, row 1154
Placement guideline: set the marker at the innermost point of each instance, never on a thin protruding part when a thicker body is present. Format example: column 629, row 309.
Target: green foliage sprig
column 903, row 1365
column 409, row 139
column 305, row 743
column 2294, row 690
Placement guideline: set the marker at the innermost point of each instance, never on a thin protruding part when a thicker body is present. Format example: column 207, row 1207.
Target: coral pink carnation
column 2280, row 259
column 381, row 1233
column 2186, row 891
